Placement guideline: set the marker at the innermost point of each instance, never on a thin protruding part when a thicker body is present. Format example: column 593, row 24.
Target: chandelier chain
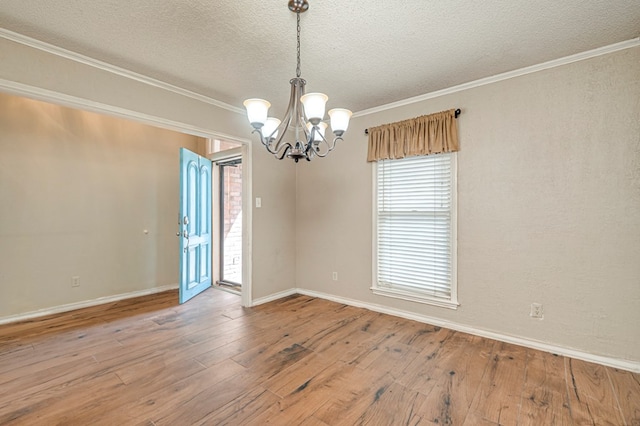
column 298, row 51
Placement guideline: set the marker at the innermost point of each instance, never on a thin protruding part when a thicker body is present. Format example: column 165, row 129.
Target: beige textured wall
column 77, row 190
column 274, row 241
column 549, row 208
column 273, row 244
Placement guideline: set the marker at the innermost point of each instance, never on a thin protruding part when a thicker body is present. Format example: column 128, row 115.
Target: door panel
column 195, row 224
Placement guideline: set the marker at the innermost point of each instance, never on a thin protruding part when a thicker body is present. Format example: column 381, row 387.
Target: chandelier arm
column 277, row 150
column 302, row 124
column 329, row 147
column 282, row 131
column 297, row 110
column 313, row 147
column 335, row 142
column 297, row 85
column 264, row 142
column 262, row 139
column 284, row 151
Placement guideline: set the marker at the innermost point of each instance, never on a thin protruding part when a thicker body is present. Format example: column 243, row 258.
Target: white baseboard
column 84, row 304
column 275, row 296
column 623, row 364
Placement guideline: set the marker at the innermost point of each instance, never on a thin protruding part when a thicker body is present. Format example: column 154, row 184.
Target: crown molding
column 64, row 53
column 505, row 76
column 76, row 57
column 45, row 95
column 19, row 89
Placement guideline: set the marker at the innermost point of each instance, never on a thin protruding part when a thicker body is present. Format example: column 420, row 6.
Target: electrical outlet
column 75, row 281
column 536, row 311
column 335, row 276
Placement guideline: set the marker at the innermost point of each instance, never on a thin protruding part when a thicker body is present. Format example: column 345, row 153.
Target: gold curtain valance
column 424, row 135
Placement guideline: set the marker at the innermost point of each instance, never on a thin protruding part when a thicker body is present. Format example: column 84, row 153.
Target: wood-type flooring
column 295, row 361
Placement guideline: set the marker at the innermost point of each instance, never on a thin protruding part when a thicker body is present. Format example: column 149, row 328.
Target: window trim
column 416, row 295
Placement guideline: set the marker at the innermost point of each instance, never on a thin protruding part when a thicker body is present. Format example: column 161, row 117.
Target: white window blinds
column 415, row 219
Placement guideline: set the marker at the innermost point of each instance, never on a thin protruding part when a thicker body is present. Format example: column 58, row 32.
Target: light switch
column 258, row 202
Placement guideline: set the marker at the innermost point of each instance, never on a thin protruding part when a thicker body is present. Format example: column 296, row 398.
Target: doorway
column 229, row 215
column 230, row 223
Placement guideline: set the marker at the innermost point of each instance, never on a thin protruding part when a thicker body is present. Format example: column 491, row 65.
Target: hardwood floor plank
column 265, row 347
column 270, row 364
column 346, row 344
column 591, row 396
column 139, row 388
column 457, row 375
column 230, row 349
column 544, row 401
column 474, row 419
column 626, row 386
column 201, row 404
column 294, row 361
column 26, row 386
column 390, row 356
column 312, row 421
column 377, row 323
column 499, row 394
column 228, row 330
column 59, row 407
column 241, row 410
column 418, row 374
column 389, row 404
column 47, row 362
column 340, row 383
column 299, row 375
column 179, row 398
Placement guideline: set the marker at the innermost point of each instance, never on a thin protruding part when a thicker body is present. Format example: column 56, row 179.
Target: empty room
column 303, row 212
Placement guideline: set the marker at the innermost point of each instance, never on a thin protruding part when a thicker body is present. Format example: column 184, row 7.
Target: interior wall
column 84, row 195
column 49, row 75
column 548, row 208
column 274, row 238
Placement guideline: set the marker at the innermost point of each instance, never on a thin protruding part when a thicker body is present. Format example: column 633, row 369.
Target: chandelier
column 304, row 116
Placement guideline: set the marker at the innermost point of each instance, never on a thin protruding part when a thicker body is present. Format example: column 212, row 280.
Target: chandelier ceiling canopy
column 303, row 119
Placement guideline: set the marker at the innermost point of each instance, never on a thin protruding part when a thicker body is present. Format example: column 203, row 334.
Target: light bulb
column 270, row 129
column 257, row 111
column 314, row 106
column 339, row 120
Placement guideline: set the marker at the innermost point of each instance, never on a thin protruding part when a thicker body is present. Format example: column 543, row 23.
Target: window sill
column 415, row 297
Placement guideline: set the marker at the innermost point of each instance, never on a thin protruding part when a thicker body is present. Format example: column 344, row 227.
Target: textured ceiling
column 362, row 54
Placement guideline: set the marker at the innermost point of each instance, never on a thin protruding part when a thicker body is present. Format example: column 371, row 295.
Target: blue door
column 195, row 224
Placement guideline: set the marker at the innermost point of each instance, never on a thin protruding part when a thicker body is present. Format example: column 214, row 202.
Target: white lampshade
column 271, row 126
column 257, row 111
column 314, row 106
column 340, row 119
column 322, row 126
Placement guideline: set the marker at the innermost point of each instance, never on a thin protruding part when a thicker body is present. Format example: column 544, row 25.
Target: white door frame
column 62, row 99
column 215, row 157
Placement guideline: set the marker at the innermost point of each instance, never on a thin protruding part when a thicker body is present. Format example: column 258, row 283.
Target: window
column 415, row 229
